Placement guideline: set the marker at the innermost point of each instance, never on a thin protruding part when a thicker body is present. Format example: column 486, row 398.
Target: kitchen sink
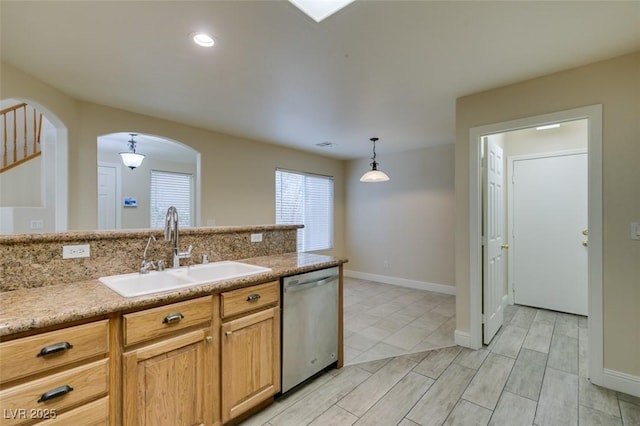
column 137, row 284
column 218, row 271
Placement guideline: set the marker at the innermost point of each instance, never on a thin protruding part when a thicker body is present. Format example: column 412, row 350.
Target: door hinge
column 484, row 319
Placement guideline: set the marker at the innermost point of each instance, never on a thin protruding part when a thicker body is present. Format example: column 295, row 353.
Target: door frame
column 510, row 165
column 593, row 114
column 118, row 168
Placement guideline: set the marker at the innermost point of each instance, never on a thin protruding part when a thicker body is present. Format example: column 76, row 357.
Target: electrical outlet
column 36, row 224
column 256, row 238
column 73, row 252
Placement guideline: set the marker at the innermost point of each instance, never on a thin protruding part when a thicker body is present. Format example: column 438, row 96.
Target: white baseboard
column 621, row 382
column 419, row 285
column 462, row 338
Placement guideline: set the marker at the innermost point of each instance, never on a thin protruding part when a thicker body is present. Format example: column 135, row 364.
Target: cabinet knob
column 208, row 339
column 228, row 333
column 253, row 297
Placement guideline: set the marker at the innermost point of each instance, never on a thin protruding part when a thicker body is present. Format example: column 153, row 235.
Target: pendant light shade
column 374, row 175
column 131, row 158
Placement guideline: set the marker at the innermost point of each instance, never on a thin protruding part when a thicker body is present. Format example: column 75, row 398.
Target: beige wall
column 237, row 174
column 408, row 221
column 615, row 84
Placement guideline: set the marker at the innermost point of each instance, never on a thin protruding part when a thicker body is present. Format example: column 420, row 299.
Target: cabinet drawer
column 250, row 298
column 156, row 322
column 56, row 392
column 95, row 413
column 23, row 357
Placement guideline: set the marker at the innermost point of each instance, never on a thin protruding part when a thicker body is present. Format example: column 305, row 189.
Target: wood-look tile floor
column 532, row 373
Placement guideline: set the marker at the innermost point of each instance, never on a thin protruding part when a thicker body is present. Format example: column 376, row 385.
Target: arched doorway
column 34, row 173
column 126, row 196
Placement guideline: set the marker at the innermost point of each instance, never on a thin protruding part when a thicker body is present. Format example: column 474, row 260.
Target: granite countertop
column 33, row 308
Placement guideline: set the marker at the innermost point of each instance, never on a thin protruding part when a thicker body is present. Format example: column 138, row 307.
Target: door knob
column 585, row 232
column 585, row 243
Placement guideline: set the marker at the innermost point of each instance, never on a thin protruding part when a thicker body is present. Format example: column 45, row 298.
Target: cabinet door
column 250, row 361
column 168, row 383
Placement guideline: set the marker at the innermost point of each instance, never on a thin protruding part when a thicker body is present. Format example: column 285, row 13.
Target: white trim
column 198, row 190
column 594, row 115
column 462, row 338
column 511, row 159
column 621, row 382
column 402, row 282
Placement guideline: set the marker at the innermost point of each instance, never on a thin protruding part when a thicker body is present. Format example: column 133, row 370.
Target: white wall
column 403, row 229
column 570, row 135
column 27, row 190
column 136, row 184
column 20, row 185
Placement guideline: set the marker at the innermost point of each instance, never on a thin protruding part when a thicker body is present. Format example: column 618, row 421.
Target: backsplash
column 35, row 260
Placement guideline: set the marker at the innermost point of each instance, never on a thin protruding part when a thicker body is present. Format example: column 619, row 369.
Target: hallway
column 534, row 372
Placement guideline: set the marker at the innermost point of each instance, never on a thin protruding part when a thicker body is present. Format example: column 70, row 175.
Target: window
column 171, row 189
column 307, row 199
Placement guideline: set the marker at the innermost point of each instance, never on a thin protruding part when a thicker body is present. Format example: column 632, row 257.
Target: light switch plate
column 73, row 252
column 635, row 230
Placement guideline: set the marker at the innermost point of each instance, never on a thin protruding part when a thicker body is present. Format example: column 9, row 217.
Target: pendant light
column 374, row 175
column 131, row 158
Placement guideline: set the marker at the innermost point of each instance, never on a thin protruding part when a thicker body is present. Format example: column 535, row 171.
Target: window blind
column 303, row 198
column 171, row 189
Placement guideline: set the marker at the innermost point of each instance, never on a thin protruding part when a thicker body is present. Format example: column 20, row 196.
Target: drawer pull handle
column 173, row 318
column 55, row 393
column 253, row 297
column 55, row 348
column 228, row 333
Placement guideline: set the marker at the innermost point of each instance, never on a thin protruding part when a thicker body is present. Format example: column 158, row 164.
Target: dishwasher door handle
column 311, row 283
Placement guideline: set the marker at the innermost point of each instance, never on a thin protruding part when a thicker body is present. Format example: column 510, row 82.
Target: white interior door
column 107, row 200
column 493, row 218
column 550, row 205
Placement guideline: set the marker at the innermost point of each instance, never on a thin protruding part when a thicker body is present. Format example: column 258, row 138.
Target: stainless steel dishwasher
column 309, row 325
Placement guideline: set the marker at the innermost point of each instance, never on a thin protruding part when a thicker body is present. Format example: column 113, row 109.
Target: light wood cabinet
column 161, row 321
column 45, row 351
column 93, row 414
column 250, row 356
column 168, row 381
column 53, row 374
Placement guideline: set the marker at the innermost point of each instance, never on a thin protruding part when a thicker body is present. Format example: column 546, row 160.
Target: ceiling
column 390, row 69
column 152, row 146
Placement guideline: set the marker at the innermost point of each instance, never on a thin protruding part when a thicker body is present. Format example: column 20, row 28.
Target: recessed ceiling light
column 203, row 39
column 320, row 9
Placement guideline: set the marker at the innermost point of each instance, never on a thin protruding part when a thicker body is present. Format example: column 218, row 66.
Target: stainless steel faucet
column 146, row 265
column 171, row 234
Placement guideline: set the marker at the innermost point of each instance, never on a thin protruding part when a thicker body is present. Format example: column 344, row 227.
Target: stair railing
column 16, row 149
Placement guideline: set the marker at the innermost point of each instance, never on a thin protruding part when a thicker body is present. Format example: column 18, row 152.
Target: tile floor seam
column 561, row 325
